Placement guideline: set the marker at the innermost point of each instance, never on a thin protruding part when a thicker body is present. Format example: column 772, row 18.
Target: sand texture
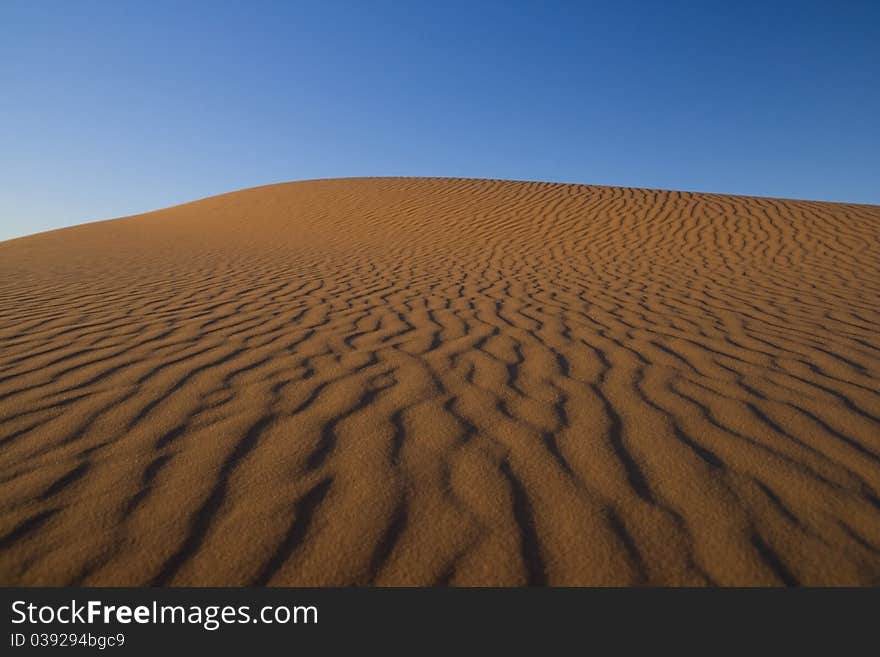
column 444, row 382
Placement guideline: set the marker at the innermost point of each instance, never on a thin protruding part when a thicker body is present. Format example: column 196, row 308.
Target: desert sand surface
column 403, row 381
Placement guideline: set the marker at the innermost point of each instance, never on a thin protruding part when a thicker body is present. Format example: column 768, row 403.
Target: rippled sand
column 443, row 381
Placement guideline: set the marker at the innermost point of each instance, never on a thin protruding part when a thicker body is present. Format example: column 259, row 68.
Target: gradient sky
column 114, row 108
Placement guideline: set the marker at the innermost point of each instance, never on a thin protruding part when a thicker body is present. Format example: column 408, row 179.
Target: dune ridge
column 400, row 381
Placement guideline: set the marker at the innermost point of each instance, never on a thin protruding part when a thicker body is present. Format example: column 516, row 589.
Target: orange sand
column 439, row 381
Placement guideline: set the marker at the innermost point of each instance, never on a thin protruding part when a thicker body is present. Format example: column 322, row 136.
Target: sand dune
column 442, row 381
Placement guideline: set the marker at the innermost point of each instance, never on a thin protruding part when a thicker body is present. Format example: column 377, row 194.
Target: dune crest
column 444, row 381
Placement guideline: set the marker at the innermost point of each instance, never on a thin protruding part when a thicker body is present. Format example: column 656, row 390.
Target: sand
column 444, row 382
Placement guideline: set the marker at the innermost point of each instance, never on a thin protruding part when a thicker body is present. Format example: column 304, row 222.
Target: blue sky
column 113, row 108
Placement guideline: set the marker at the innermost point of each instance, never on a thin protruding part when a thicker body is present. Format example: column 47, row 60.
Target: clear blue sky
column 113, row 108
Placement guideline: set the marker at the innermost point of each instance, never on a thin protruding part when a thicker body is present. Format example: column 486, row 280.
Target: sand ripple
column 439, row 381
